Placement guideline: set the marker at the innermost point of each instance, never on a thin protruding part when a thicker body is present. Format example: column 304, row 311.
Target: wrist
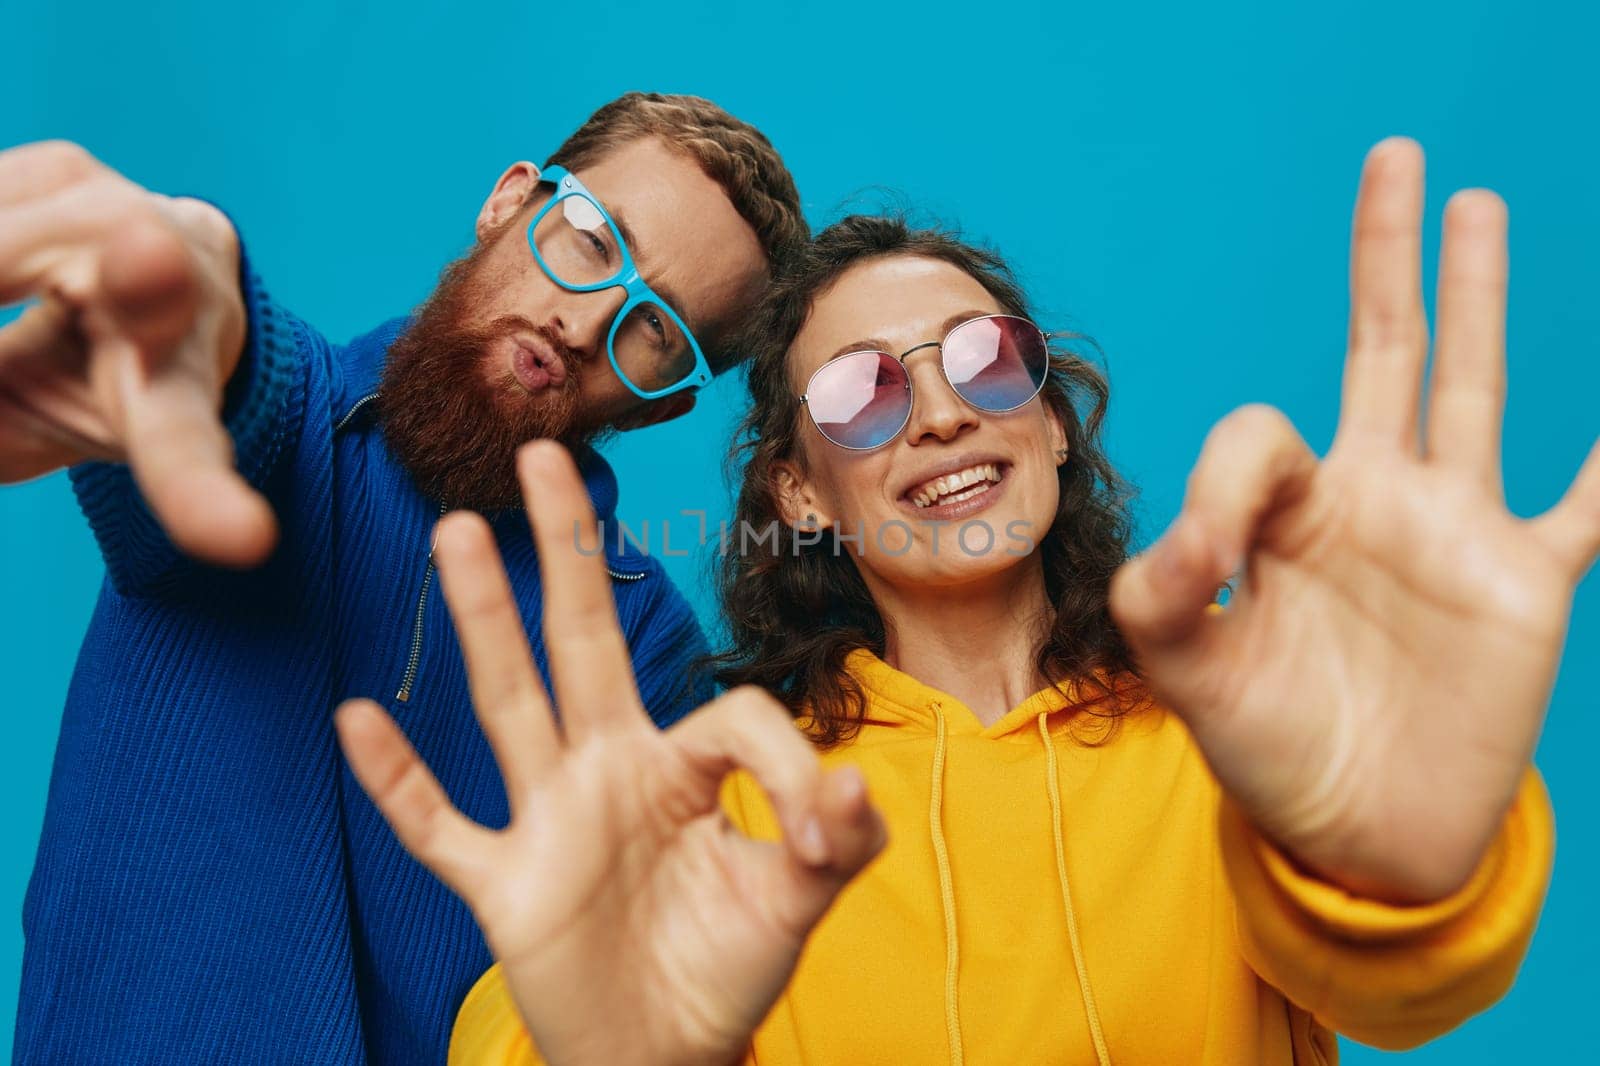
column 1392, row 859
column 1394, row 883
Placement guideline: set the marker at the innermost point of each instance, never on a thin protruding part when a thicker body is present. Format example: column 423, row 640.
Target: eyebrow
column 877, row 344
column 663, row 291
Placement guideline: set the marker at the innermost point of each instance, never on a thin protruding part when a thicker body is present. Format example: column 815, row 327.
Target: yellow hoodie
column 1046, row 901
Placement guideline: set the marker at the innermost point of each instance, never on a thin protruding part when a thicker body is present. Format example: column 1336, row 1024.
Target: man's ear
column 510, row 193
column 797, row 501
column 653, row 414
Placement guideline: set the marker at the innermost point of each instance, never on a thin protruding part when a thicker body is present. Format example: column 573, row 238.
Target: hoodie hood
column 896, row 699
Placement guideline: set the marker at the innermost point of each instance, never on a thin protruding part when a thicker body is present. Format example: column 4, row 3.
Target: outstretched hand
column 618, row 890
column 1372, row 694
column 136, row 325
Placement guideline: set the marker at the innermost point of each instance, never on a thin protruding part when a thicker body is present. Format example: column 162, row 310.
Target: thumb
column 1159, row 598
column 1572, row 527
column 1253, row 462
column 182, row 458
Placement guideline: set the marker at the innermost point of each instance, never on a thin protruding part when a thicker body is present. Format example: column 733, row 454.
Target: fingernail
column 852, row 786
column 813, row 842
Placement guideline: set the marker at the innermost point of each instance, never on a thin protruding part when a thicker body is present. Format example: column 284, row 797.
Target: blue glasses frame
column 626, row 278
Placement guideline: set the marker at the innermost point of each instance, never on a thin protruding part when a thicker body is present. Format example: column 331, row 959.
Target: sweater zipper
column 350, row 414
column 414, row 660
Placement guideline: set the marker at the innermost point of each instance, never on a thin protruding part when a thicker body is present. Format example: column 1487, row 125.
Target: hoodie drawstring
column 1053, row 786
column 947, row 894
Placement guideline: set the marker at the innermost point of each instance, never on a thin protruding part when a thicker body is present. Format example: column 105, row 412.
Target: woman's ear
column 510, row 193
column 1058, row 436
column 797, row 500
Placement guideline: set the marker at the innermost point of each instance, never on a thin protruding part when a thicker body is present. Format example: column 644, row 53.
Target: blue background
column 1175, row 180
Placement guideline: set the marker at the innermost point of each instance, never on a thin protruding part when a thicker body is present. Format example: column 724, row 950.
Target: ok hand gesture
column 618, row 891
column 1372, row 694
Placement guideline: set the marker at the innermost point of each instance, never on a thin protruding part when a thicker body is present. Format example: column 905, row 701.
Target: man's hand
column 1373, row 692
column 633, row 923
column 135, row 325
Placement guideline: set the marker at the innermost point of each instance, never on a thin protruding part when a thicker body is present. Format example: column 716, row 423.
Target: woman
column 1324, row 819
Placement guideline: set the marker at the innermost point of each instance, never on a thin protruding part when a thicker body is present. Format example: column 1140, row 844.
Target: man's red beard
column 454, row 420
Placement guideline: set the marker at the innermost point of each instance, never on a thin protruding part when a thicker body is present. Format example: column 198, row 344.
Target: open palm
column 1373, row 692
column 618, row 891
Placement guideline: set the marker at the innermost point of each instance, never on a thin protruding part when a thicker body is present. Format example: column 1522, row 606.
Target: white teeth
column 952, row 488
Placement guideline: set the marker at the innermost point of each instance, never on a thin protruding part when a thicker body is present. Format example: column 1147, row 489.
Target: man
column 211, row 885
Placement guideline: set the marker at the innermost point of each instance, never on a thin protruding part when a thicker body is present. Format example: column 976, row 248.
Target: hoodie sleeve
column 488, row 1031
column 1387, row 975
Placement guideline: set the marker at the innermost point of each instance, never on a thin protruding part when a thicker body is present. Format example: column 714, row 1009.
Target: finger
column 855, row 830
column 1572, row 527
column 40, row 337
column 100, row 254
column 747, row 729
column 506, row 691
column 39, row 237
column 43, row 364
column 410, row 798
column 855, row 835
column 1467, row 397
column 1388, row 328
column 44, row 422
column 589, row 663
column 30, row 446
column 182, row 458
column 29, row 171
column 1253, row 463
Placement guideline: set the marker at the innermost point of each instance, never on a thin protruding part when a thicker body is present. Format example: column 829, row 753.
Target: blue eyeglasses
column 580, row 248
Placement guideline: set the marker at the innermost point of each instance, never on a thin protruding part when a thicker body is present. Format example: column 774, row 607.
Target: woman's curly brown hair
column 795, row 613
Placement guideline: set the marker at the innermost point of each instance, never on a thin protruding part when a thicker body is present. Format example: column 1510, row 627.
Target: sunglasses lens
column 860, row 400
column 997, row 363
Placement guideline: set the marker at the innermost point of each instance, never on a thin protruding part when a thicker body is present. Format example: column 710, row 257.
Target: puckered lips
column 955, row 488
column 535, row 363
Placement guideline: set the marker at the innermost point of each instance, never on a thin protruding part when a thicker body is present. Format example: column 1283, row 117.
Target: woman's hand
column 634, row 924
column 1373, row 692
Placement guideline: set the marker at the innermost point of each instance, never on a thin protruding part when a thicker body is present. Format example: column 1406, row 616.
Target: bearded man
column 211, row 885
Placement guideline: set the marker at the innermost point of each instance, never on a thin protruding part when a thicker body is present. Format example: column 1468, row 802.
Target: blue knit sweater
column 212, row 885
